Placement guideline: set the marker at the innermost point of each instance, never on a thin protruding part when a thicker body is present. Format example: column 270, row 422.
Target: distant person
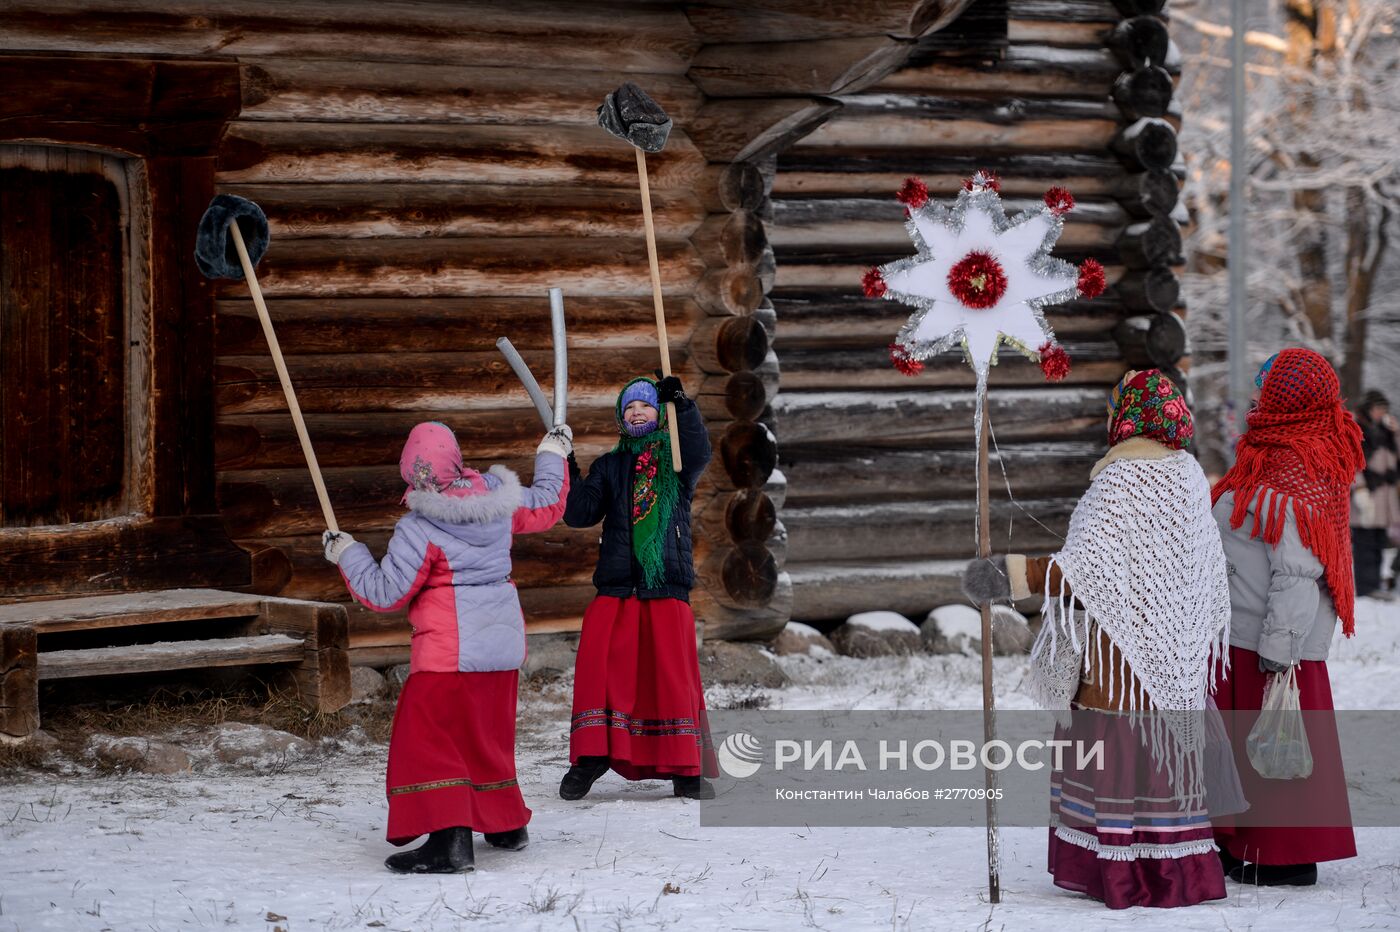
column 1375, row 505
column 1282, row 510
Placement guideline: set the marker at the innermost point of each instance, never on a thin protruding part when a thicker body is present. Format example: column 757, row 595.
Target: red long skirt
column 637, row 695
column 452, row 755
column 1242, row 688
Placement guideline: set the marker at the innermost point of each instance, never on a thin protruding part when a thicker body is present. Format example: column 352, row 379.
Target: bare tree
column 1323, row 133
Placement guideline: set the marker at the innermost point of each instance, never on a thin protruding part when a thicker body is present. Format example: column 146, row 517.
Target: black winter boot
column 447, row 851
column 581, row 777
column 1228, row 862
column 513, row 840
column 692, row 787
column 1276, row 875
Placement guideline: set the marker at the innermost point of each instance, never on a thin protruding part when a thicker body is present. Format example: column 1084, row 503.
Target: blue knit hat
column 638, row 390
column 1264, row 371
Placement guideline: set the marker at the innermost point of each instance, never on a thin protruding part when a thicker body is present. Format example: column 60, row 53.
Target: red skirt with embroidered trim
column 452, row 755
column 1324, row 793
column 637, row 695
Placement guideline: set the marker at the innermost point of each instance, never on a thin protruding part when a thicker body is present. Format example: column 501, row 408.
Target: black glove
column 984, row 580
column 669, row 389
column 1272, row 666
column 574, row 471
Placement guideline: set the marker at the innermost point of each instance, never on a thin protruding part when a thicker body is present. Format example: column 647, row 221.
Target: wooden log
column 169, row 655
column 841, row 317
column 256, row 441
column 835, row 591
column 729, row 344
column 722, row 623
column 737, row 238
column 19, row 680
column 921, row 529
column 322, row 678
column 884, row 170
column 1038, row 70
column 736, row 395
column 1148, row 144
column 1152, row 340
column 87, row 613
column 733, row 186
column 809, row 370
column 1145, row 92
column 958, row 136
column 455, row 266
column 743, row 577
column 749, row 453
column 657, row 40
column 875, row 233
column 1021, row 29
column 326, row 211
column 1002, row 110
column 901, row 419
column 402, row 381
column 365, row 91
column 1149, row 194
column 359, row 153
column 1156, row 290
column 314, row 325
column 853, row 475
column 748, row 514
column 718, row 21
column 735, row 130
column 733, row 291
column 793, row 67
column 1151, row 243
column 820, row 273
column 1141, row 40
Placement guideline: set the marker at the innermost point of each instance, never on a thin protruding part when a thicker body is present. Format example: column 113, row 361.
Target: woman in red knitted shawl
column 1283, row 513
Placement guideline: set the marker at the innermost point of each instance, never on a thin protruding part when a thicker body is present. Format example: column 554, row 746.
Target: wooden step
column 170, row 655
column 136, row 608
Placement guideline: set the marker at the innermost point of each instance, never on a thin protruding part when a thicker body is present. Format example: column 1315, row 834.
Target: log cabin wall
column 879, row 508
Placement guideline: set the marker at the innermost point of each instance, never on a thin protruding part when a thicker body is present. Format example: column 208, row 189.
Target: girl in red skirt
column 638, row 706
column 1283, row 512
column 452, row 753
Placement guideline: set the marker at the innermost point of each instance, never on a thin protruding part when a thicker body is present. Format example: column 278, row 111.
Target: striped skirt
column 1120, row 833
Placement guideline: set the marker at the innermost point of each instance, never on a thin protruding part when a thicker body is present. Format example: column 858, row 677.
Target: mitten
column 335, row 544
column 984, row 580
column 1272, row 666
column 560, row 440
column 669, row 389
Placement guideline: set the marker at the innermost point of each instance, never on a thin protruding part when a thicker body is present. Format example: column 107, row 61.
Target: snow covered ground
column 302, row 849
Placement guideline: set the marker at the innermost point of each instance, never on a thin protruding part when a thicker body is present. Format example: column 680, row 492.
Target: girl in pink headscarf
column 452, row 754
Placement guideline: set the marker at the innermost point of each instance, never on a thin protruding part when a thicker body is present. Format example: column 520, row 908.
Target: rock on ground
column 731, row 663
column 396, row 676
column 957, row 629
column 367, row 684
column 877, row 634
column 142, row 755
column 550, row 656
column 797, row 638
column 256, row 746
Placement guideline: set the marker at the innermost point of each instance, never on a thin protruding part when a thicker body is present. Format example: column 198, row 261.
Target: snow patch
column 882, row 621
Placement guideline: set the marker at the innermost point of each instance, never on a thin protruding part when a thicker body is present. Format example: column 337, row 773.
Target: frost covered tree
column 1323, row 187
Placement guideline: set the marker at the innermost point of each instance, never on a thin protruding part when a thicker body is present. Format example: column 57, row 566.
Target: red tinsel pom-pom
column 913, row 193
column 983, row 178
column 1054, row 362
column 873, row 283
column 1059, row 200
column 977, row 280
column 1091, row 278
column 902, row 361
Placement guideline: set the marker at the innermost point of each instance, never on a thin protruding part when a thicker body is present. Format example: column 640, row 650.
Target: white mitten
column 335, row 544
column 560, row 440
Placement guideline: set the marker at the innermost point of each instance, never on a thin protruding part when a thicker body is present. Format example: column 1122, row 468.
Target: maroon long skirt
column 1120, row 833
column 637, row 695
column 1241, row 688
column 452, row 755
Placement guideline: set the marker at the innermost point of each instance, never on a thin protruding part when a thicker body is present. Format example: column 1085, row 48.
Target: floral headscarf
column 1148, row 404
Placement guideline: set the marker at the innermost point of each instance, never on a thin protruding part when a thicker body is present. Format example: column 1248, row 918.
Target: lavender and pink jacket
column 449, row 562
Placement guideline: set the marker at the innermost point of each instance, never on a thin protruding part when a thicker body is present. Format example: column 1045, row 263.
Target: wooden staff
column 989, row 702
column 277, row 361
column 661, row 338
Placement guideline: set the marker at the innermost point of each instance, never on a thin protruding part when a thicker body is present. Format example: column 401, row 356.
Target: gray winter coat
column 1281, row 608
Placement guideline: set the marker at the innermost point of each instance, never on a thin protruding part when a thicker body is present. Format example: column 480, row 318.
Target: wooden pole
column 281, row 366
column 989, row 707
column 656, row 300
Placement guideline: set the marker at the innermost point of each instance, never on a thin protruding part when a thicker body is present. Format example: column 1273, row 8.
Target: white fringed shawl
column 1144, row 559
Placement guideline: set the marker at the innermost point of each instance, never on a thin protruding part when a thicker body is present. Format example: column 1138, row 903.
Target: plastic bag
column 1278, row 743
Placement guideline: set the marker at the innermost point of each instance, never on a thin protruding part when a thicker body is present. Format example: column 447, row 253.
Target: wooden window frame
column 166, row 119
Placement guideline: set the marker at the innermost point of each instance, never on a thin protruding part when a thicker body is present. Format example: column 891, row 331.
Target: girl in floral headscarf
column 1136, row 612
column 1283, row 512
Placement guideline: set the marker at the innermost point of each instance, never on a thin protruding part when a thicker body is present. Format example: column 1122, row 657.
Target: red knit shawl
column 1303, row 448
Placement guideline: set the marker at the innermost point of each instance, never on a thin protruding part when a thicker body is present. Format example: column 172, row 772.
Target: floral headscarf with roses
column 655, row 486
column 1148, row 404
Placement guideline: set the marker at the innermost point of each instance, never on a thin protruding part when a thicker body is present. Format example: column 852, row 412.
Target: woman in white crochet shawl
column 1137, row 611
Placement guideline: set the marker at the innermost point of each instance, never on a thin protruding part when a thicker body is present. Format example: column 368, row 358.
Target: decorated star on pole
column 980, row 279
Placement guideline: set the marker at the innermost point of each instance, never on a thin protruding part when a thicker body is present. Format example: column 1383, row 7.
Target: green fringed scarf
column 656, row 490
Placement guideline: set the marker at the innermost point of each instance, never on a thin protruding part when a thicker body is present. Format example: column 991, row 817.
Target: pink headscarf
column 432, row 461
